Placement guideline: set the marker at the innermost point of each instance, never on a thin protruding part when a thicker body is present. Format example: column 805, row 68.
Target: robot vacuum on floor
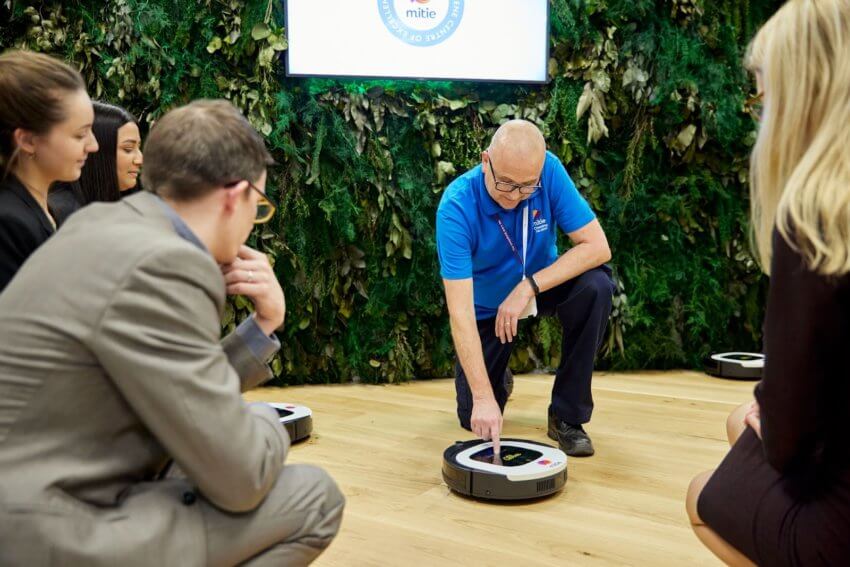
column 735, row 365
column 298, row 420
column 526, row 469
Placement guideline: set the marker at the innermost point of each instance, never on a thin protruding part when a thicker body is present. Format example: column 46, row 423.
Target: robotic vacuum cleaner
column 298, row 420
column 735, row 365
column 522, row 470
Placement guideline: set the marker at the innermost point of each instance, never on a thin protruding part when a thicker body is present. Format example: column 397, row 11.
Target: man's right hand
column 252, row 275
column 487, row 421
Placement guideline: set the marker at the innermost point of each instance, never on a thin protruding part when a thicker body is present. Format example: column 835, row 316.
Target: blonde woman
column 782, row 494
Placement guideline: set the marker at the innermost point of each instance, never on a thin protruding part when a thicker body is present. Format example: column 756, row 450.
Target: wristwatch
column 534, row 285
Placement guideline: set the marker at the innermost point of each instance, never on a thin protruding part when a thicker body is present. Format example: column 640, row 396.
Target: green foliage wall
column 645, row 106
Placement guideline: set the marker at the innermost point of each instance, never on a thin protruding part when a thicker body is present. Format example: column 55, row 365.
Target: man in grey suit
column 111, row 366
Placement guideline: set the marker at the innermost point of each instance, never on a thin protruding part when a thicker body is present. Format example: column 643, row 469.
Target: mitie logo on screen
column 421, row 12
column 421, row 23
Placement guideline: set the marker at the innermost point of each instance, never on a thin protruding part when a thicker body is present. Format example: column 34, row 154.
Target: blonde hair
column 754, row 58
column 800, row 165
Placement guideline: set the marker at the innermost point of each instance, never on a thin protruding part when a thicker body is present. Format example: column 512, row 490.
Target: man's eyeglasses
column 505, row 187
column 265, row 208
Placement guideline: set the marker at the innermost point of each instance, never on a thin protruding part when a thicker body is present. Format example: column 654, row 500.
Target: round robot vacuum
column 522, row 470
column 735, row 365
column 298, row 420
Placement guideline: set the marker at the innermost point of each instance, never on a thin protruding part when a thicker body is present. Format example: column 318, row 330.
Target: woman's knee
column 735, row 422
column 692, row 500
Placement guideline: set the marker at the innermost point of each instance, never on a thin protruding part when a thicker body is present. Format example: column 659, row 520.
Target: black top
column 804, row 395
column 23, row 227
column 785, row 499
column 67, row 198
column 64, row 199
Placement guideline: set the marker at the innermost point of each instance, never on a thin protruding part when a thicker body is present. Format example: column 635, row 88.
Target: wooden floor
column 624, row 506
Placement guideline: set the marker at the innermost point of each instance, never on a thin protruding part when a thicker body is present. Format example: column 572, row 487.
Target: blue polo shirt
column 470, row 243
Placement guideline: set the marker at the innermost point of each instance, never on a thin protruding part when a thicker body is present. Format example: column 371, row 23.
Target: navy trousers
column 583, row 306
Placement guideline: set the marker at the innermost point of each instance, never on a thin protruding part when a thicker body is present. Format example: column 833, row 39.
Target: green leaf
column 260, row 31
column 277, row 366
column 214, row 45
column 457, row 104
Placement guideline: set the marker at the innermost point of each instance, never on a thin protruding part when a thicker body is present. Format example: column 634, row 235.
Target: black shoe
column 572, row 439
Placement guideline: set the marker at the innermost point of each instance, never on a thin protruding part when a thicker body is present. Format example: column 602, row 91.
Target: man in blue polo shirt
column 496, row 241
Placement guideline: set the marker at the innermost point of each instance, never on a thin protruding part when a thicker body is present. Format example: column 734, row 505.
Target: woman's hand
column 753, row 418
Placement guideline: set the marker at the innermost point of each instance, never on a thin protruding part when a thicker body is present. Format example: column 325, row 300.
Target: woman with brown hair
column 782, row 494
column 45, row 136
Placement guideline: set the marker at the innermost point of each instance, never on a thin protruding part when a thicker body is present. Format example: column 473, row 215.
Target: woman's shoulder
column 10, row 188
column 19, row 217
column 17, row 222
column 789, row 261
column 12, row 203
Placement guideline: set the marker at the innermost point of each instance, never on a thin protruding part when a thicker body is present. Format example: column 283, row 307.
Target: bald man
column 497, row 245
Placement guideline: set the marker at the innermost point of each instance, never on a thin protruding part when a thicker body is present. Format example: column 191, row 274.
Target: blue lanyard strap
column 510, row 241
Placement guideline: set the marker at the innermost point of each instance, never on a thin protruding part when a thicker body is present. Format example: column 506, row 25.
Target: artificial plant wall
column 645, row 106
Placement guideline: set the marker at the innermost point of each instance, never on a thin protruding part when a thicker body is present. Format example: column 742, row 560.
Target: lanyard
column 524, row 238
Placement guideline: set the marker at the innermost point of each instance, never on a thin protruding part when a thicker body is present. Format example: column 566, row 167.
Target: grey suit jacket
column 110, row 365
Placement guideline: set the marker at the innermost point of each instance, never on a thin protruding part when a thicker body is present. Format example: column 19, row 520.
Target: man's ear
column 233, row 194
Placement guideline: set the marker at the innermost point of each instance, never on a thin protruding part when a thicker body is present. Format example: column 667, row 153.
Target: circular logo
column 421, row 23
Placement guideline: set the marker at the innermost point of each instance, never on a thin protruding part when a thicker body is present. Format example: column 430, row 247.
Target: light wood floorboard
column 653, row 432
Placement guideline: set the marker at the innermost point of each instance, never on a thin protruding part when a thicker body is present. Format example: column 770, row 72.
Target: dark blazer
column 23, row 227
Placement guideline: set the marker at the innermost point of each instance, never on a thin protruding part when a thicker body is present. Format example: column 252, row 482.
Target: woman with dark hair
column 46, row 135
column 111, row 173
column 114, row 170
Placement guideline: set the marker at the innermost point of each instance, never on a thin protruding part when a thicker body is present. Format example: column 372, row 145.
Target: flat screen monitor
column 465, row 40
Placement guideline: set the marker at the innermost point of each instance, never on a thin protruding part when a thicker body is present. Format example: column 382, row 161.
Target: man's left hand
column 507, row 318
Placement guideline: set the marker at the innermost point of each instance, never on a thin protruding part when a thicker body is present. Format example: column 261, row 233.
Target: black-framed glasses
column 506, row 187
column 265, row 208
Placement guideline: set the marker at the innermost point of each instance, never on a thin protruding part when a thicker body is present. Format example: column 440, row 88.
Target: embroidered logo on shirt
column 540, row 224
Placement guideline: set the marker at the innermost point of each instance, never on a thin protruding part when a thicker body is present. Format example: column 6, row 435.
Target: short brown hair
column 197, row 147
column 32, row 86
